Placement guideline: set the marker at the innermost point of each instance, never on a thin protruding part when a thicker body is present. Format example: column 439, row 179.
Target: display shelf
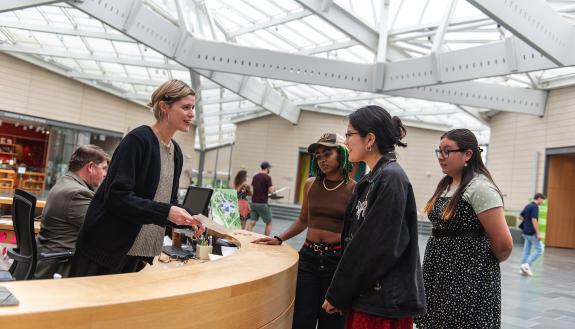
column 32, row 181
column 7, row 178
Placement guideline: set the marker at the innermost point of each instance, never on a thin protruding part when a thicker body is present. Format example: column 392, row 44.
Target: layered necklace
column 333, row 188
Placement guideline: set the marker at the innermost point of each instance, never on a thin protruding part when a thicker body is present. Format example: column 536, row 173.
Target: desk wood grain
column 253, row 288
column 8, row 201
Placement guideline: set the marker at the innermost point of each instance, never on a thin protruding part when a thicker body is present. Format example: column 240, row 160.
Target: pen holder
column 203, row 251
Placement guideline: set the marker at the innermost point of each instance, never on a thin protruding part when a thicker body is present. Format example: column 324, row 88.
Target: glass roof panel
column 413, row 23
column 74, row 43
column 48, row 40
column 112, row 68
column 127, row 49
column 137, row 72
column 67, row 62
column 32, row 15
column 324, row 27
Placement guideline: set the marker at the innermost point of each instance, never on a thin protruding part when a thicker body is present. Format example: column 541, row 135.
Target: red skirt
column 360, row 320
column 244, row 207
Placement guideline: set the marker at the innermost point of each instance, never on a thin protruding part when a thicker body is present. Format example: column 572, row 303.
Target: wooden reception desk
column 252, row 288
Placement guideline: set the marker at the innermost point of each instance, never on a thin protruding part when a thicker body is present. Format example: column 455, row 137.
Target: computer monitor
column 198, row 199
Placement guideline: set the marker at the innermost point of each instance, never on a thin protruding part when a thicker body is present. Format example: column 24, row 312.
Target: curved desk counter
column 252, row 288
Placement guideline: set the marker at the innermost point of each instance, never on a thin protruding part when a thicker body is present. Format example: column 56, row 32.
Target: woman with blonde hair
column 126, row 220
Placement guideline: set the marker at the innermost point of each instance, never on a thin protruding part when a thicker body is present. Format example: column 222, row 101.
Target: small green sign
column 224, row 206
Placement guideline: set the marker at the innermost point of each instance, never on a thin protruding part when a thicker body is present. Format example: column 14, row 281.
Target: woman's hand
column 180, row 216
column 267, row 240
column 330, row 309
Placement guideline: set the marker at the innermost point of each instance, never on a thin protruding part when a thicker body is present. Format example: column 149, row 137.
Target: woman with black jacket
column 378, row 282
column 125, row 222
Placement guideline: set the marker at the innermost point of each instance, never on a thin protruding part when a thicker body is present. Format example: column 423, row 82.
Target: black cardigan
column 380, row 271
column 124, row 200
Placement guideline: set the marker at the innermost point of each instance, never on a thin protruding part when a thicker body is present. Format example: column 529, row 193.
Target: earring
column 465, row 164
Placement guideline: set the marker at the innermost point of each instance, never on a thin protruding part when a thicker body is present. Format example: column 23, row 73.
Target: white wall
column 222, row 155
column 31, row 90
column 517, row 138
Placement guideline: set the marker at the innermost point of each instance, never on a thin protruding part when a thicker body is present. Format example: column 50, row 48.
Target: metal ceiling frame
column 440, row 74
column 536, row 23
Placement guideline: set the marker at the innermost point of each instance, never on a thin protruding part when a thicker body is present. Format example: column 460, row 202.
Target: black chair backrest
column 25, row 255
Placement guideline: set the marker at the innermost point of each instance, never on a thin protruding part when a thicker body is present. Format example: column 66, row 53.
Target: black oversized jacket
column 380, row 271
column 124, row 200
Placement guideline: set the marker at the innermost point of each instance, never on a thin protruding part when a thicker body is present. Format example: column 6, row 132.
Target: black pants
column 84, row 266
column 314, row 276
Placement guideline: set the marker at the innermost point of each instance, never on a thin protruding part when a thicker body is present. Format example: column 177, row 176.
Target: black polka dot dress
column 461, row 276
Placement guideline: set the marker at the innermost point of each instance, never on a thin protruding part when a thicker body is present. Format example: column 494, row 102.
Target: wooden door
column 303, row 168
column 561, row 202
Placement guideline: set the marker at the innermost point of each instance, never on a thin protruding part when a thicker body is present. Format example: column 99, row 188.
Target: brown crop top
column 326, row 209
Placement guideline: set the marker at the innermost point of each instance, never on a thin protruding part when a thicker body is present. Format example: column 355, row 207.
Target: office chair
column 25, row 254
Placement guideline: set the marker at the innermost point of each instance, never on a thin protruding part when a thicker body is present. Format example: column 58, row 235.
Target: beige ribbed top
column 150, row 240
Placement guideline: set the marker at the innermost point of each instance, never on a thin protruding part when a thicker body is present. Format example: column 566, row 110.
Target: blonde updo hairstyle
column 169, row 92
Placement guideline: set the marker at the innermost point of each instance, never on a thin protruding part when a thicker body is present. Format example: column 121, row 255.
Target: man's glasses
column 445, row 153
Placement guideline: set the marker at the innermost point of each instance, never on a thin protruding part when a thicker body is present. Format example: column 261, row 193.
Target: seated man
column 67, row 204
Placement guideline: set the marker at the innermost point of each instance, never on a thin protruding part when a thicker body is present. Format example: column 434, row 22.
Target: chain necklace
column 331, row 189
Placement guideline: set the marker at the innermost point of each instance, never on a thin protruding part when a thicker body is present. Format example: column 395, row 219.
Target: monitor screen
column 198, row 199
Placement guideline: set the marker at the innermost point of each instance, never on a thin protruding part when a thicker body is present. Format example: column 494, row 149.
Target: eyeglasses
column 445, row 153
column 348, row 134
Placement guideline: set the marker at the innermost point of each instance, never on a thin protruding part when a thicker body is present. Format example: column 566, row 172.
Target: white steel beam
column 401, row 114
column 199, row 110
column 557, row 82
column 60, row 71
column 536, row 23
column 272, row 22
column 475, row 114
column 114, row 78
column 246, row 86
column 251, row 116
column 442, row 28
column 337, row 99
column 430, row 75
column 407, row 122
column 67, row 31
column 381, row 55
column 483, row 95
column 9, row 5
column 345, row 21
column 145, row 25
column 493, row 59
column 108, row 59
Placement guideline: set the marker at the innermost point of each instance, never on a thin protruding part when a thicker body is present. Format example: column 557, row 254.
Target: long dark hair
column 388, row 130
column 343, row 161
column 465, row 140
column 241, row 176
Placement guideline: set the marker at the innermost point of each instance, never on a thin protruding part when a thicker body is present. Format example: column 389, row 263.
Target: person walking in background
column 531, row 234
column 378, row 281
column 243, row 189
column 262, row 185
column 326, row 195
column 469, row 239
column 126, row 221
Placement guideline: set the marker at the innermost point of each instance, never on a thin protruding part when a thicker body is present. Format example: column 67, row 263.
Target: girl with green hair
column 326, row 196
